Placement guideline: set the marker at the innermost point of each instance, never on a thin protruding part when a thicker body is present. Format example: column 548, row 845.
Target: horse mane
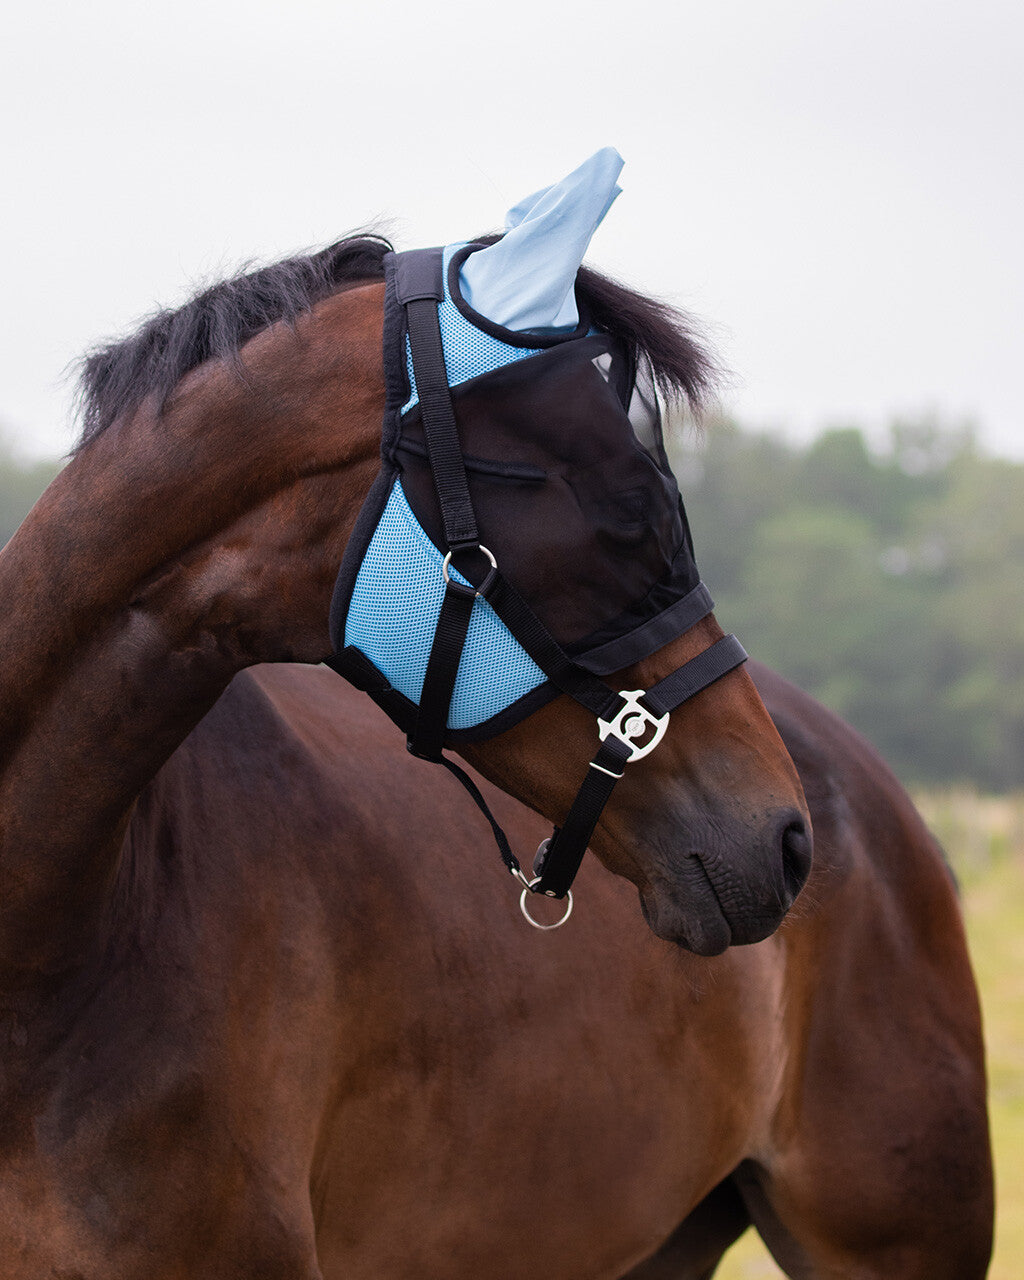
column 116, row 378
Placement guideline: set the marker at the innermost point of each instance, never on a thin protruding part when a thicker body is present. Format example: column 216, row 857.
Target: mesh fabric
column 468, row 351
column 393, row 614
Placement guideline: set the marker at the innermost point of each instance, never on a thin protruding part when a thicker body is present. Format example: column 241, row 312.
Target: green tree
column 980, row 528
column 885, row 582
column 21, row 483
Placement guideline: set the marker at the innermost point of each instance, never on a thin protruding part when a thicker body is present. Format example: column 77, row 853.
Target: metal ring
column 479, row 547
column 536, row 923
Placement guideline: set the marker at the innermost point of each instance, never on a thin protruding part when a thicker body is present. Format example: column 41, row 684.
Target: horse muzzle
column 727, row 888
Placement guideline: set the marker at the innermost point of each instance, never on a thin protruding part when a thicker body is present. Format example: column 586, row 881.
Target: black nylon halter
column 624, row 718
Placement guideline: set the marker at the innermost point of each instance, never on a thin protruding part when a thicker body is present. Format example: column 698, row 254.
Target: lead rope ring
column 517, row 874
column 536, row 923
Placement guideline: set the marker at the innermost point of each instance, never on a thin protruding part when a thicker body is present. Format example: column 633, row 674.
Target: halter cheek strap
column 630, row 724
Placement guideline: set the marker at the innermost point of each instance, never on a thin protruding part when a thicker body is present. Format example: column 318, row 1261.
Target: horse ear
column 525, row 281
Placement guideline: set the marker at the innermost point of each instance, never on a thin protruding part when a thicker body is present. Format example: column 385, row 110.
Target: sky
column 834, row 188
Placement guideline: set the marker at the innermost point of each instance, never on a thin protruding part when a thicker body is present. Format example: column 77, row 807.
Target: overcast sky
column 836, row 188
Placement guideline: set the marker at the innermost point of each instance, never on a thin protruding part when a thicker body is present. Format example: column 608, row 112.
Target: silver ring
column 536, row 923
column 448, row 559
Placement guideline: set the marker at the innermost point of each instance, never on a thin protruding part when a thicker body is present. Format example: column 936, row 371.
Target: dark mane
column 115, row 379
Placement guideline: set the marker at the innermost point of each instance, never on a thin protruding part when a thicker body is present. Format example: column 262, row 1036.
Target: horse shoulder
column 881, row 1137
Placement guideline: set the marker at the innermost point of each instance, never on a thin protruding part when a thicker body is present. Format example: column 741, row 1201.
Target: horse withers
column 269, row 1011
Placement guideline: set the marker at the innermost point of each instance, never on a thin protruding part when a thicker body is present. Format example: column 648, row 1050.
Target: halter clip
column 631, row 722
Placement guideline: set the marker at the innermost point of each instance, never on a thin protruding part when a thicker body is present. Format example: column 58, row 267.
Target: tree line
column 885, row 581
column 20, row 484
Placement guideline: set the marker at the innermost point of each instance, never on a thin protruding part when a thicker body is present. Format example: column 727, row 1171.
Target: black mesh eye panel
column 589, row 544
column 634, row 386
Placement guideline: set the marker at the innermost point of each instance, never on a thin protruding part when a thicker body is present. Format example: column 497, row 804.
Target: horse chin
column 715, row 895
column 688, row 911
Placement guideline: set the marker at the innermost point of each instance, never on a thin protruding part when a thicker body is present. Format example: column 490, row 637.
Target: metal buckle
column 631, row 722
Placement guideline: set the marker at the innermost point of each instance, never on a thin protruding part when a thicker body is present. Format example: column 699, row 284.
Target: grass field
column 984, row 838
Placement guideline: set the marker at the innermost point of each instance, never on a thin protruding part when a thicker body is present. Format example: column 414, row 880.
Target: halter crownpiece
column 525, row 535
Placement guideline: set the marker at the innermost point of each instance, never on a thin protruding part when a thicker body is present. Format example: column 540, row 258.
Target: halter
column 477, row 590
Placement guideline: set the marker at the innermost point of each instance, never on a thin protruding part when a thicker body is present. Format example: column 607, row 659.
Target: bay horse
column 269, row 1009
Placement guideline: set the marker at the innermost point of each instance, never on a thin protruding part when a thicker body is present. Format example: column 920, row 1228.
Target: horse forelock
column 114, row 379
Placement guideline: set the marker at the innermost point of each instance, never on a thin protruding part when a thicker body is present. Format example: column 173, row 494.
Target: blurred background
column 835, row 189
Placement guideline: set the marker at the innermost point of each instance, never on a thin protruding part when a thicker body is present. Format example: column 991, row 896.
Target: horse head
column 572, row 574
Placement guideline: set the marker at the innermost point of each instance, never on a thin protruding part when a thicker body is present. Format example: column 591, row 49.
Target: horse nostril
column 796, row 858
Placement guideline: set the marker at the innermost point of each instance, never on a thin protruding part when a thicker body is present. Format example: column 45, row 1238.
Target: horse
column 269, row 1009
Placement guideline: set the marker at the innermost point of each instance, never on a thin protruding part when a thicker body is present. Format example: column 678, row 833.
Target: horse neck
column 174, row 550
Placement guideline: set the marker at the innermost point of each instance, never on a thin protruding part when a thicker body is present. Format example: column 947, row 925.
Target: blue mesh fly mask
column 524, row 537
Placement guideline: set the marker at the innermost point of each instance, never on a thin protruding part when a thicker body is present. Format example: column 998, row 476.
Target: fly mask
column 524, row 537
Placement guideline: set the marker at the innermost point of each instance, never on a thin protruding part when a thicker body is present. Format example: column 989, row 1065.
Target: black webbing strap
column 697, row 674
column 559, row 858
column 357, row 669
column 589, row 690
column 500, row 838
column 652, row 635
column 427, row 737
column 439, row 427
column 558, row 862
column 419, row 287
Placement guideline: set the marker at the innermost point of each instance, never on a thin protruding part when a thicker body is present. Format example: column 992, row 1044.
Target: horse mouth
column 688, row 913
column 702, row 906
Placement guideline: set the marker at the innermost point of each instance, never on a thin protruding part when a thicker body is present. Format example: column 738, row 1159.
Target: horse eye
column 633, row 506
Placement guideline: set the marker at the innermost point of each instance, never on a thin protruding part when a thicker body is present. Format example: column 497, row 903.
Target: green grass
column 984, row 838
column 995, row 920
